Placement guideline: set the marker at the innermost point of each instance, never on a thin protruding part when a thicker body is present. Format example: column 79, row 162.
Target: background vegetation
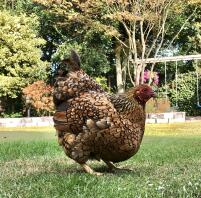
column 35, row 35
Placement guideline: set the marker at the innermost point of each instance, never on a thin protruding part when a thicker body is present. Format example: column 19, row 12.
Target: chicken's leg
column 89, row 170
column 110, row 165
column 113, row 168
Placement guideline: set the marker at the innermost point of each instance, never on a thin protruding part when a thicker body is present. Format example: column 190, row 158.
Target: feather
column 75, row 58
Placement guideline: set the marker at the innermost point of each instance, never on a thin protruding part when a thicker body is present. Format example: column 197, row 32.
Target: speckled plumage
column 72, row 85
column 93, row 124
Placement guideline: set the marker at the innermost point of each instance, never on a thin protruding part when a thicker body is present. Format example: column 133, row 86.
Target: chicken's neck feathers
column 130, row 109
column 126, row 103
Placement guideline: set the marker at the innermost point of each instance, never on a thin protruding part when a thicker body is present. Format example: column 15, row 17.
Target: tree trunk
column 119, row 77
column 2, row 105
column 29, row 112
column 138, row 74
column 124, row 71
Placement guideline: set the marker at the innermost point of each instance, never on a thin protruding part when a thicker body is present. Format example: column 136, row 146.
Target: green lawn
column 167, row 165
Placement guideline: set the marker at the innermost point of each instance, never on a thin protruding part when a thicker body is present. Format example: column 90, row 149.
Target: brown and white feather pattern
column 73, row 85
column 92, row 127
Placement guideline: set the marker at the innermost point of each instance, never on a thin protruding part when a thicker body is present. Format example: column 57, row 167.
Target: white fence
column 20, row 122
column 171, row 117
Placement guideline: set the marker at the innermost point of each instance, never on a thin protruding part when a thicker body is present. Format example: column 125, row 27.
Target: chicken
column 92, row 124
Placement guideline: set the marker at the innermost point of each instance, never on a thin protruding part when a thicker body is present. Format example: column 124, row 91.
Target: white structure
column 171, row 117
column 32, row 121
column 170, row 59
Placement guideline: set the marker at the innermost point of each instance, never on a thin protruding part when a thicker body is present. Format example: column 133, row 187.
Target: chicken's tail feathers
column 73, row 62
column 75, row 57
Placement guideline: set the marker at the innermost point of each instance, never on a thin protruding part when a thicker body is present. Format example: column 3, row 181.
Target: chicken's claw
column 89, row 170
column 114, row 169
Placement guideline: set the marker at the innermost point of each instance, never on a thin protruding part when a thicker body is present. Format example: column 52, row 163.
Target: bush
column 102, row 81
column 12, row 115
column 186, row 96
column 160, row 105
column 39, row 96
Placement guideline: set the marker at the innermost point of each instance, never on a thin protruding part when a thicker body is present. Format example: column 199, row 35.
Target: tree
column 189, row 40
column 66, row 33
column 94, row 60
column 145, row 25
column 139, row 29
column 39, row 96
column 186, row 95
column 16, row 6
column 20, row 54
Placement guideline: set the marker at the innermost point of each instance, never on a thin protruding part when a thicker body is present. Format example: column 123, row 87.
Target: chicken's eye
column 145, row 90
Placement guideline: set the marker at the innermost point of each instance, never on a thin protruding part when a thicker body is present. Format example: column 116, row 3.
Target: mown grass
column 167, row 165
column 26, row 133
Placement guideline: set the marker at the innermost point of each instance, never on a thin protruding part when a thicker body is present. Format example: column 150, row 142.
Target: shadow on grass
column 122, row 170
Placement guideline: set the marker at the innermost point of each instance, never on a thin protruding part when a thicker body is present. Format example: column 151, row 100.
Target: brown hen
column 92, row 124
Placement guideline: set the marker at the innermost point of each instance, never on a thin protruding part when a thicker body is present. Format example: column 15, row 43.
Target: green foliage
column 11, row 86
column 96, row 53
column 63, row 51
column 186, row 96
column 19, row 53
column 69, row 30
column 103, row 82
column 94, row 61
column 189, row 39
column 15, row 6
column 12, row 115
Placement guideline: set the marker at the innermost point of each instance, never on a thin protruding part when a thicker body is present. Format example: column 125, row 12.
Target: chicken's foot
column 89, row 170
column 113, row 168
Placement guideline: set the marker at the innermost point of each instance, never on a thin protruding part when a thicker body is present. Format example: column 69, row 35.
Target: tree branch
column 161, row 42
column 182, row 27
column 143, row 51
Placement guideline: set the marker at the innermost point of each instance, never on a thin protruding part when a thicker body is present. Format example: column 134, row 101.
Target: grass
column 167, row 165
column 26, row 133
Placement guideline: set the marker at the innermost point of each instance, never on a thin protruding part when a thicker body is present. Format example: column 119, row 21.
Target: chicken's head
column 143, row 93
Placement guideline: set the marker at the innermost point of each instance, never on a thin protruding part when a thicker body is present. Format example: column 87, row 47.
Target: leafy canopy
column 20, row 53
